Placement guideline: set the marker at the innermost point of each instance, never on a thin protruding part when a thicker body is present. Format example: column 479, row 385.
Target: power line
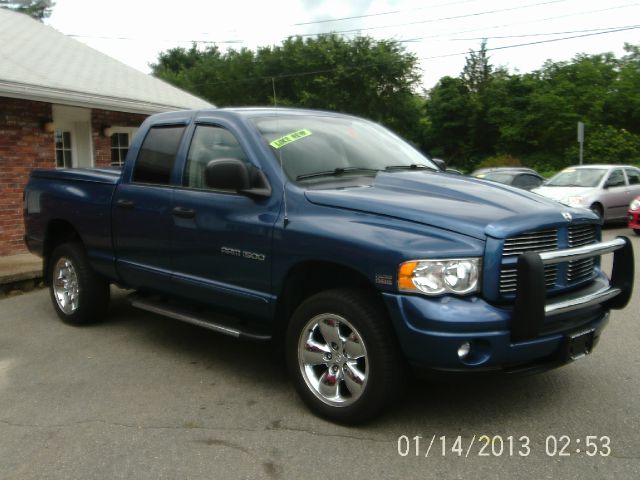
column 545, row 34
column 137, row 39
column 415, row 39
column 393, row 12
column 534, row 43
column 432, row 20
column 495, row 27
column 356, row 30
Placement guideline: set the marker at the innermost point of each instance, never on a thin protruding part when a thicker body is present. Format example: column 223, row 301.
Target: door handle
column 125, row 203
column 184, row 212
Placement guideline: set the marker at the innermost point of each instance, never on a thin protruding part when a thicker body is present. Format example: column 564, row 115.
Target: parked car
column 480, row 171
column 336, row 239
column 634, row 215
column 525, row 178
column 605, row 189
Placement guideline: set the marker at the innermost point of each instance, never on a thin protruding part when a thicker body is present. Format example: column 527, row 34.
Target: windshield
column 577, row 177
column 498, row 177
column 316, row 148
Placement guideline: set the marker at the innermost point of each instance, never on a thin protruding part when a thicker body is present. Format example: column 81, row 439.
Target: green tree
column 477, row 71
column 458, row 112
column 533, row 116
column 38, row 9
column 373, row 78
column 608, row 144
column 449, row 108
column 622, row 105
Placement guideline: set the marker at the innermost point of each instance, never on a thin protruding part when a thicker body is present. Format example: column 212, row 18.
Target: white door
column 74, row 146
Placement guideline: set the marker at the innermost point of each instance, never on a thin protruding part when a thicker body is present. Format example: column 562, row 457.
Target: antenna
column 284, row 188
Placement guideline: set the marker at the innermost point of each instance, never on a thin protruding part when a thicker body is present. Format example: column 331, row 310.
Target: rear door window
column 158, row 155
column 633, row 176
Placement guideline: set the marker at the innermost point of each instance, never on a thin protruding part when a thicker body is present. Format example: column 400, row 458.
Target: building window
column 63, row 149
column 119, row 148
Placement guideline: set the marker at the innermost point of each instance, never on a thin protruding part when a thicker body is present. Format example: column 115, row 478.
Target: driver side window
column 209, row 143
column 616, row 179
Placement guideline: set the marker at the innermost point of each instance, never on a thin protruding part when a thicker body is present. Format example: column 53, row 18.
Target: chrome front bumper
column 531, row 307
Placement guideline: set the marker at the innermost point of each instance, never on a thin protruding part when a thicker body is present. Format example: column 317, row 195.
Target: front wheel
column 598, row 210
column 343, row 357
column 78, row 294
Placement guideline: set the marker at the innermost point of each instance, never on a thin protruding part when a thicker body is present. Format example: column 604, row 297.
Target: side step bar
column 210, row 322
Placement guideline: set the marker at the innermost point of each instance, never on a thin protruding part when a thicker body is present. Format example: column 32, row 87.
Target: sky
column 439, row 32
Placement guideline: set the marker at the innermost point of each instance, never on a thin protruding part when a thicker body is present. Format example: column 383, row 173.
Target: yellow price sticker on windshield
column 569, row 170
column 291, row 137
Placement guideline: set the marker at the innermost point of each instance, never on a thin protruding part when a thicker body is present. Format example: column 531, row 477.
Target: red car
column 634, row 215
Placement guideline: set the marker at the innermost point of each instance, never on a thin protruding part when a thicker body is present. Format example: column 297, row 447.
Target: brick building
column 65, row 105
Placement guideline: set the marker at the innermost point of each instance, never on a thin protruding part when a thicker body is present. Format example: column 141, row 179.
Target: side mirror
column 227, row 174
column 233, row 174
column 441, row 164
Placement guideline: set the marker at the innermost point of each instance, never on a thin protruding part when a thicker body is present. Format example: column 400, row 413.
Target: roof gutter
column 89, row 100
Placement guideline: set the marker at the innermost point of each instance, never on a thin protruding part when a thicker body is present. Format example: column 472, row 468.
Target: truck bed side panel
column 78, row 199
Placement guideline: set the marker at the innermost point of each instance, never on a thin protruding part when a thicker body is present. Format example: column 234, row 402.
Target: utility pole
column 581, row 139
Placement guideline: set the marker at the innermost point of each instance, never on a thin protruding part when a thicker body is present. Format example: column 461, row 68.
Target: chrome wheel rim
column 65, row 286
column 333, row 360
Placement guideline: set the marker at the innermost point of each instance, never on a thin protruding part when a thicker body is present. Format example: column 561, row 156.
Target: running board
column 195, row 318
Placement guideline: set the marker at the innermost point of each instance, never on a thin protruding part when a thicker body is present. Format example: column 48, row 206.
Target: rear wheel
column 636, row 231
column 78, row 294
column 342, row 356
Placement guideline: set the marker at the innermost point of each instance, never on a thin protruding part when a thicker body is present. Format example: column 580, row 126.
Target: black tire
column 597, row 209
column 78, row 294
column 636, row 231
column 363, row 328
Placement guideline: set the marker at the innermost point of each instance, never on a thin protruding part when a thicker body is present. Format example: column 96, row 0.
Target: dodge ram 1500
column 332, row 235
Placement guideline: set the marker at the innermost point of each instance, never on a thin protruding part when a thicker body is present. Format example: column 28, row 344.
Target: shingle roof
column 39, row 63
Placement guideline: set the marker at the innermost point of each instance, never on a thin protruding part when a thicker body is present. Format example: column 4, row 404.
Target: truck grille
column 579, row 235
column 543, row 241
column 558, row 275
column 509, row 281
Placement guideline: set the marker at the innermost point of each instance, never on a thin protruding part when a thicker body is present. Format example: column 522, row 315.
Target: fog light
column 463, row 350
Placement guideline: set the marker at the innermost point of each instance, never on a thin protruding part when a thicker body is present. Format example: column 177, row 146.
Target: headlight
column 635, row 205
column 435, row 277
column 576, row 201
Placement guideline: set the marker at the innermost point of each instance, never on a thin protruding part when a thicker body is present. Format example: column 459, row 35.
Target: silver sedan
column 605, row 189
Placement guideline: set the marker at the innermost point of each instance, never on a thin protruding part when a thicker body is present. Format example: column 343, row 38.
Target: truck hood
column 461, row 204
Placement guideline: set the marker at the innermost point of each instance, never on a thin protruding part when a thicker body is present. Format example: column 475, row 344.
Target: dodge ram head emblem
column 567, row 216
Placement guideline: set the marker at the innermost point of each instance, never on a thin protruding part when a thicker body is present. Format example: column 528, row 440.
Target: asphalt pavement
column 145, row 397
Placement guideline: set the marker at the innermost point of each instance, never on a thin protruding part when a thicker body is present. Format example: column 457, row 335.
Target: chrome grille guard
column 531, row 307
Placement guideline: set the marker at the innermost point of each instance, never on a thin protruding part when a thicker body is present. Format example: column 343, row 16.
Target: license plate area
column 579, row 344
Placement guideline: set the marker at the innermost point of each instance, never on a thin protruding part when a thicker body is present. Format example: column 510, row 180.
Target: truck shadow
column 433, row 404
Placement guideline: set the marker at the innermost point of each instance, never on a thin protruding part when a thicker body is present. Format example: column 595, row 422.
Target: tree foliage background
column 38, row 9
column 372, row 78
column 486, row 115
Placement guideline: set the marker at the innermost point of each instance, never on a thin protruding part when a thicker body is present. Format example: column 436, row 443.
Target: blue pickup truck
column 332, row 236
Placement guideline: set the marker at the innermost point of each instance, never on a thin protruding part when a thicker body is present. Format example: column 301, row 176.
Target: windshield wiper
column 336, row 172
column 413, row 166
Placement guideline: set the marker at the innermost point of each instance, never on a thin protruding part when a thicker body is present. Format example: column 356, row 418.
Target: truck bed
column 78, row 197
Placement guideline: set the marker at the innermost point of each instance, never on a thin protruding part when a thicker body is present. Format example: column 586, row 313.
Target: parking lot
column 145, row 397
